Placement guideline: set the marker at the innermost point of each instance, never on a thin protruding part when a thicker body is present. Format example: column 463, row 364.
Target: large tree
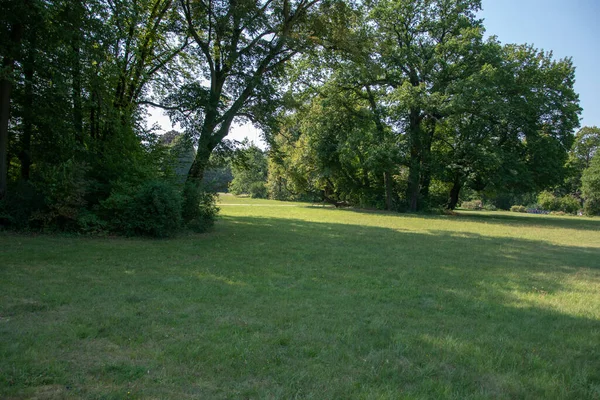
column 424, row 45
column 240, row 47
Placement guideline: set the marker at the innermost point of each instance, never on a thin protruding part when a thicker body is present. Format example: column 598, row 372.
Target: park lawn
column 300, row 301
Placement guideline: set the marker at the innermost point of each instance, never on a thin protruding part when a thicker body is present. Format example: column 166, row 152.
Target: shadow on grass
column 440, row 314
column 551, row 221
column 285, row 308
column 503, row 219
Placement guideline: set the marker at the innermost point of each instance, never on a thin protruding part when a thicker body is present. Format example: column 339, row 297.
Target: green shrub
column 517, row 208
column 20, row 202
column 567, row 204
column 91, row 223
column 559, row 213
column 490, row 207
column 548, row 201
column 199, row 208
column 258, row 190
column 64, row 188
column 151, row 209
column 592, row 207
column 472, row 205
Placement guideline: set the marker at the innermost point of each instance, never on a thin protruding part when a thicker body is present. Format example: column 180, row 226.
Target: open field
column 296, row 301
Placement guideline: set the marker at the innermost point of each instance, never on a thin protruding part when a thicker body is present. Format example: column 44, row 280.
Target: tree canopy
column 395, row 104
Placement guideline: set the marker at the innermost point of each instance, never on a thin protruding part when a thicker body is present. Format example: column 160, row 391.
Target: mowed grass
column 302, row 301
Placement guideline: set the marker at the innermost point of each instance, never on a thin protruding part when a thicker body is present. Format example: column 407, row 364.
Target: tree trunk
column 5, row 90
column 193, row 183
column 414, row 171
column 426, row 162
column 387, row 180
column 28, row 114
column 454, row 192
column 77, row 102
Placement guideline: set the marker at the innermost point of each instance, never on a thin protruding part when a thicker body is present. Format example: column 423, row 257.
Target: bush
column 199, row 208
column 490, row 207
column 64, row 188
column 472, row 205
column 592, row 207
column 558, row 213
column 258, row 190
column 567, row 204
column 20, row 202
column 548, row 201
column 152, row 209
column 520, row 209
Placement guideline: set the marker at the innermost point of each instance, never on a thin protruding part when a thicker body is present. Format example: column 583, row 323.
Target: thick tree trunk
column 454, row 192
column 5, row 91
column 193, row 183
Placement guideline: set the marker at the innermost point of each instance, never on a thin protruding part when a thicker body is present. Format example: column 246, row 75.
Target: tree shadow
column 287, row 308
column 591, row 224
column 437, row 314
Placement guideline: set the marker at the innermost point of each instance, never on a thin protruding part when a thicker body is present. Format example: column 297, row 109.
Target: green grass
column 308, row 302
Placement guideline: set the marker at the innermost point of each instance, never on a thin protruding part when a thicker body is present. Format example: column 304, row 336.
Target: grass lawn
column 286, row 301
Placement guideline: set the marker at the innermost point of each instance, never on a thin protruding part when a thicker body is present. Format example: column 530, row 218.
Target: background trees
column 393, row 104
column 591, row 186
column 412, row 107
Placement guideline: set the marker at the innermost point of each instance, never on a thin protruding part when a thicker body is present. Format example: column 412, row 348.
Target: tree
column 591, row 186
column 424, row 46
column 509, row 124
column 586, row 145
column 12, row 26
column 241, row 47
column 249, row 168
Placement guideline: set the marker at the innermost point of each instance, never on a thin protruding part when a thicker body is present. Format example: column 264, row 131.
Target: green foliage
column 592, row 206
column 559, row 213
column 249, row 169
column 152, row 209
column 548, row 201
column 591, row 186
column 567, row 204
column 64, row 188
column 17, row 206
column 218, row 178
column 519, row 209
column 199, row 207
column 387, row 104
column 472, row 205
column 585, row 146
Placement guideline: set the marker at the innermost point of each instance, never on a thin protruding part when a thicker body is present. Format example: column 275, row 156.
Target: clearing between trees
column 307, row 302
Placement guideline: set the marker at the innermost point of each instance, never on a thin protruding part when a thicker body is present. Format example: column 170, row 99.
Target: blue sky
column 570, row 28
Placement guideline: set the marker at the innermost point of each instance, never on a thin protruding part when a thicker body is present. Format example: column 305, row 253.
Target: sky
column 570, row 28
